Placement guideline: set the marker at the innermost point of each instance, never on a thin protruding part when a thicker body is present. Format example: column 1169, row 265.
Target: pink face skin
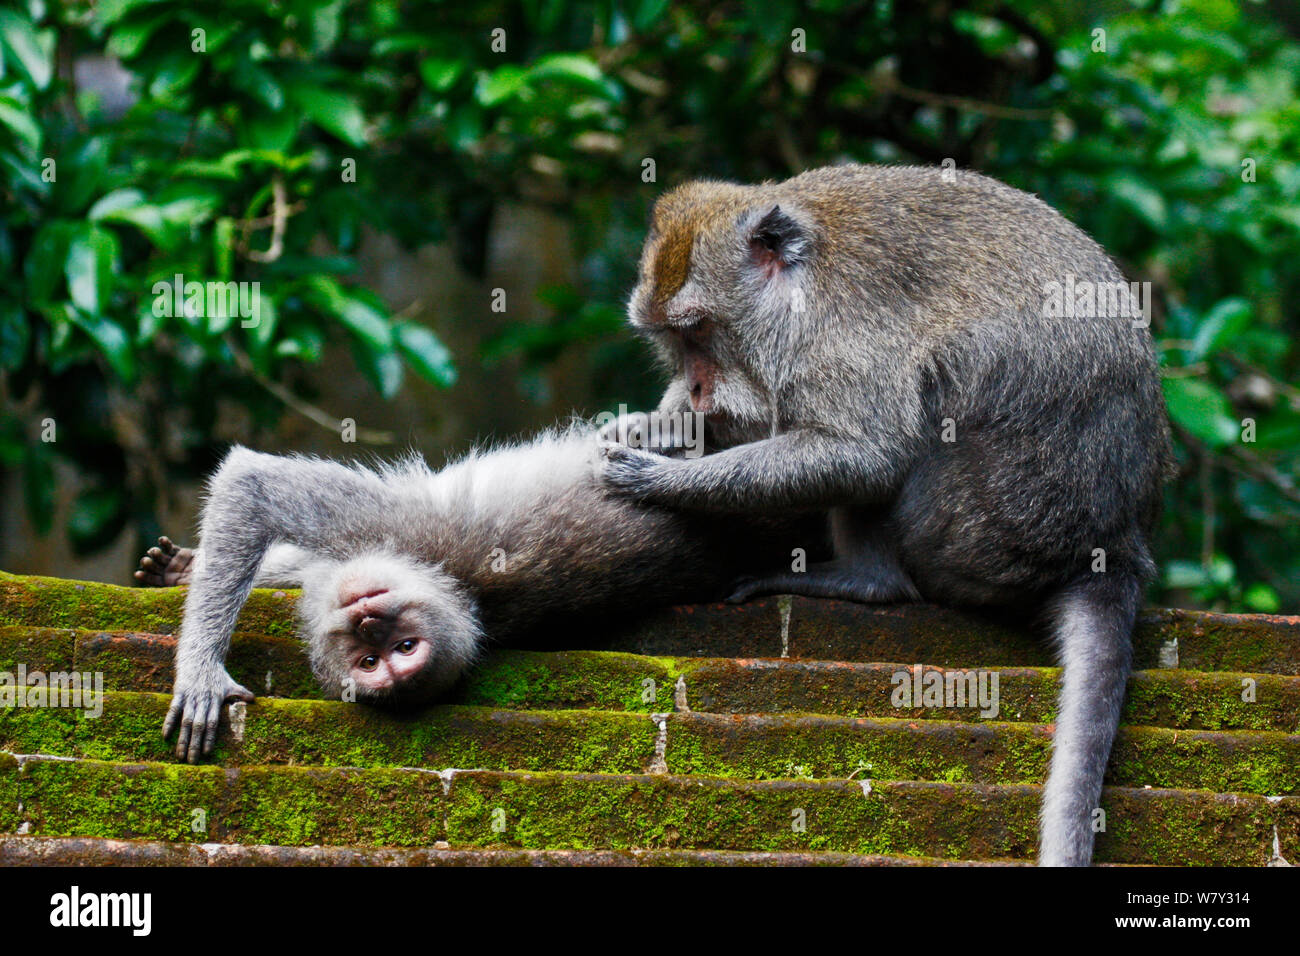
column 382, row 644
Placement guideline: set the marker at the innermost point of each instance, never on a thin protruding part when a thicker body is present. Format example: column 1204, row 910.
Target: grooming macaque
column 406, row 573
column 882, row 342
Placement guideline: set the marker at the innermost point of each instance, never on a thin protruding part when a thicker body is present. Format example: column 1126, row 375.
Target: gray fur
column 923, row 303
column 493, row 546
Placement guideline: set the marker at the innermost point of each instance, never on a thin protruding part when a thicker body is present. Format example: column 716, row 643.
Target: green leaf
column 271, row 131
column 440, row 74
column 92, row 261
column 1203, row 410
column 572, row 67
column 81, row 174
column 1140, row 198
column 1221, row 325
column 326, row 25
column 111, row 341
column 20, row 122
column 223, row 247
column 260, row 85
column 383, row 369
column 649, row 12
column 173, row 79
column 465, row 127
column 44, row 266
column 31, row 49
column 426, row 353
column 366, row 321
column 116, row 201
column 261, row 325
column 144, row 216
column 496, row 86
column 1261, row 599
column 129, row 38
column 334, row 112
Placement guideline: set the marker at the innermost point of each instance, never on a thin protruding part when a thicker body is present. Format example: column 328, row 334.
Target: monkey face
column 388, row 629
column 721, row 294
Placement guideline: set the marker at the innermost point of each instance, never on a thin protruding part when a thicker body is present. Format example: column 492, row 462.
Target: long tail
column 1093, row 629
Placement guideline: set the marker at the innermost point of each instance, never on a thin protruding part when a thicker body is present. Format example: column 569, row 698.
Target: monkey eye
column 369, row 662
column 407, row 646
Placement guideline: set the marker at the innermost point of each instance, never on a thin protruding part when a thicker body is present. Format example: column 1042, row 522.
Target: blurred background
column 442, row 205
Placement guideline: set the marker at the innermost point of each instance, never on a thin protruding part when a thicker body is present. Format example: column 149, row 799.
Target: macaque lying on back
column 406, row 572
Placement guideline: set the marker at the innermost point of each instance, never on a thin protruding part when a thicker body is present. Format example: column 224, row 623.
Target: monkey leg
column 838, row 580
column 169, row 565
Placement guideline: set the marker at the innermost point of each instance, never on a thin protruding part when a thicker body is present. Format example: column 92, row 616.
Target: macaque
column 407, row 574
column 960, row 376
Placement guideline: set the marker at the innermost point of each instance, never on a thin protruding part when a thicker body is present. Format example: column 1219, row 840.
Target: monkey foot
column 165, row 565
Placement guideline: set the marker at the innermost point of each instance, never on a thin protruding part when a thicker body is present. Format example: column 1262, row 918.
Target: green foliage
column 1172, row 137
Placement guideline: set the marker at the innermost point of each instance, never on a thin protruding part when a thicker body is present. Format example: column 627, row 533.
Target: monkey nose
column 373, row 629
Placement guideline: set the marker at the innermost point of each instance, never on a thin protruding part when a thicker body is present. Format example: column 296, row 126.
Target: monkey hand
column 197, row 698
column 649, row 431
column 631, row 472
column 166, row 565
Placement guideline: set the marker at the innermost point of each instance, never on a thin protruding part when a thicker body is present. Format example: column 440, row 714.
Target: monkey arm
column 803, row 468
column 254, row 501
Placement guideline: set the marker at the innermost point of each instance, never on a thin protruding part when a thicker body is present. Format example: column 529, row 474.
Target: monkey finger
column 166, row 544
column 198, row 729
column 173, row 716
column 184, row 735
column 211, row 723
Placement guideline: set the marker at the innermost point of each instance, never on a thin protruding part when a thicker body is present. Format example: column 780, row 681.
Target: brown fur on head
column 721, row 269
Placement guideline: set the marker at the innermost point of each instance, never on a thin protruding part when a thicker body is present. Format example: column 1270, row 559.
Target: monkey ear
column 778, row 241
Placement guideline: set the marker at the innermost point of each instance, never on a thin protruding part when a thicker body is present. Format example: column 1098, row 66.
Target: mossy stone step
column 612, row 680
column 301, row 806
column 754, row 747
column 784, row 627
column 1159, row 698
column 811, row 629
column 91, row 851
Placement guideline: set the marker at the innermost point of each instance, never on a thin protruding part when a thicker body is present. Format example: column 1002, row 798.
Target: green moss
column 525, row 680
column 53, row 602
column 1213, row 701
column 36, row 730
column 36, row 649
column 1188, row 829
column 297, row 806
column 335, row 734
column 1258, row 643
column 10, row 816
column 111, row 800
column 1262, row 763
column 577, row 811
column 286, row 805
column 762, row 748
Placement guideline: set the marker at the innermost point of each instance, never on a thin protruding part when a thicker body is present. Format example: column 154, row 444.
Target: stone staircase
column 770, row 734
